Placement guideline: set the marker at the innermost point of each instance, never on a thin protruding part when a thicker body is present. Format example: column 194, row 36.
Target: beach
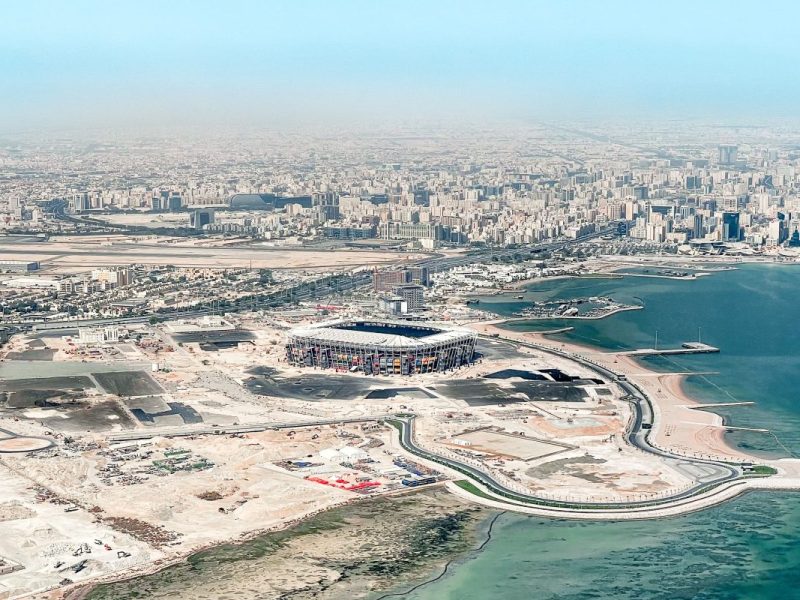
column 678, row 427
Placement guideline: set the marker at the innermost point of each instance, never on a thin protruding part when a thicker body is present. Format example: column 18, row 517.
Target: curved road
column 636, row 435
column 5, row 434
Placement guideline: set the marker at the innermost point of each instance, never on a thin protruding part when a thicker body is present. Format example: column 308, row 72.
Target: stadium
column 380, row 347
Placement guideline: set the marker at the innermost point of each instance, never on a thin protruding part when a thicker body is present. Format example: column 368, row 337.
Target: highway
column 304, row 291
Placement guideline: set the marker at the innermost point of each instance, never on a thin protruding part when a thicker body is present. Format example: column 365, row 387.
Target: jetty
column 686, row 348
column 719, row 404
column 732, row 428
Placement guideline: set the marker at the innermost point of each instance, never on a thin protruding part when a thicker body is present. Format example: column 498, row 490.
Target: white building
column 104, row 335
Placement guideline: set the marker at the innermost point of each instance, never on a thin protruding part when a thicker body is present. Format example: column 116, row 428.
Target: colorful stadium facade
column 380, row 347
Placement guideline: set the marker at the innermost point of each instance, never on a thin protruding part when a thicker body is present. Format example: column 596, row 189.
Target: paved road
column 639, row 432
column 706, row 473
column 10, row 435
column 308, row 290
column 405, row 427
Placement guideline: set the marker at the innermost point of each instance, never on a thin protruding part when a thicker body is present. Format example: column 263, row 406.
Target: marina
column 594, row 307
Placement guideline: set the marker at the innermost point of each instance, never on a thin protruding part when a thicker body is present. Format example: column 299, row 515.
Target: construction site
column 136, row 449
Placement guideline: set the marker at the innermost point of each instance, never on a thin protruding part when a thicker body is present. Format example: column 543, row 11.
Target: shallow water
column 749, row 313
column 744, row 549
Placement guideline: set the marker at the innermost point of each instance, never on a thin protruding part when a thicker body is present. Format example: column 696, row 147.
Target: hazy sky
column 72, row 63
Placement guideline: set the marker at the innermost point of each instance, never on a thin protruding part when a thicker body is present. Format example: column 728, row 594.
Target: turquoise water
column 749, row 313
column 747, row 548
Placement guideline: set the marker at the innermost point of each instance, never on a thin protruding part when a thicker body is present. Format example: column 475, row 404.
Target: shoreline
column 84, row 588
column 325, row 573
column 691, row 432
column 455, row 562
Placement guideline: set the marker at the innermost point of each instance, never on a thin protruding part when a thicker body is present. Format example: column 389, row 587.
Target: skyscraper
column 727, row 155
column 730, row 226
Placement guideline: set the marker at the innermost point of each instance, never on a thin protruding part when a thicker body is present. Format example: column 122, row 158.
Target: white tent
column 330, row 454
column 352, row 452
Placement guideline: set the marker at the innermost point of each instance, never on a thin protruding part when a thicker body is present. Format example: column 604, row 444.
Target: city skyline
column 90, row 65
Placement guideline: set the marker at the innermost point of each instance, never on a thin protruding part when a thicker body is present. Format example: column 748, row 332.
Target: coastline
column 360, row 549
column 83, row 590
column 679, row 426
column 484, row 529
column 577, row 317
column 671, row 401
column 672, row 383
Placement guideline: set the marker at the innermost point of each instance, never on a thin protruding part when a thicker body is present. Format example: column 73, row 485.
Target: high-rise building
column 116, row 277
column 383, row 281
column 201, row 217
column 697, row 226
column 419, row 275
column 327, row 206
column 174, row 203
column 394, row 305
column 727, row 155
column 411, row 231
column 81, row 202
column 412, row 294
column 730, row 226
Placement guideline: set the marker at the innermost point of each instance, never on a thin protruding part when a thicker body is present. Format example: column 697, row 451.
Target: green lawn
column 473, row 489
column 762, row 470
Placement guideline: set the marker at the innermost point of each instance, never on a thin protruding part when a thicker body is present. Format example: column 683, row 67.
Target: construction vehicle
column 78, row 567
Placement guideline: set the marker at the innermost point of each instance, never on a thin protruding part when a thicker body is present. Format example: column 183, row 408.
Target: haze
column 96, row 64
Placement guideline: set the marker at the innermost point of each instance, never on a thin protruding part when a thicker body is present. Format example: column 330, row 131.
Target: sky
column 90, row 63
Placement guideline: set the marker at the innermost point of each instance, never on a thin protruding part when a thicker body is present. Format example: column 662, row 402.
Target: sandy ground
column 337, row 554
column 150, row 516
column 678, row 427
column 580, row 453
column 36, row 532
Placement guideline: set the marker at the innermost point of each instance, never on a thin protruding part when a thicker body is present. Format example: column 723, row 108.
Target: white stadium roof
column 328, row 332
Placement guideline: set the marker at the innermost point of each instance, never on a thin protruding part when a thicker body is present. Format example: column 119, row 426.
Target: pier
column 719, row 404
column 732, row 428
column 686, row 348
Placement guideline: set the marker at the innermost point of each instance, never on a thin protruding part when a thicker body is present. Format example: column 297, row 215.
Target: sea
column 748, row 548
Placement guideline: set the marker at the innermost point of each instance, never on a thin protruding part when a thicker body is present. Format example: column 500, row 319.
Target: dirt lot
column 504, row 444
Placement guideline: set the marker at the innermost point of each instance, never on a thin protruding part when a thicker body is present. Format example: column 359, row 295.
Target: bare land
column 677, row 426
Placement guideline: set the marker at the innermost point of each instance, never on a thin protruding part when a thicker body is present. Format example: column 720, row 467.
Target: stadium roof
column 328, row 332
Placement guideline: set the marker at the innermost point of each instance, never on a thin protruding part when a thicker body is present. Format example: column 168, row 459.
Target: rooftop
column 397, row 334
